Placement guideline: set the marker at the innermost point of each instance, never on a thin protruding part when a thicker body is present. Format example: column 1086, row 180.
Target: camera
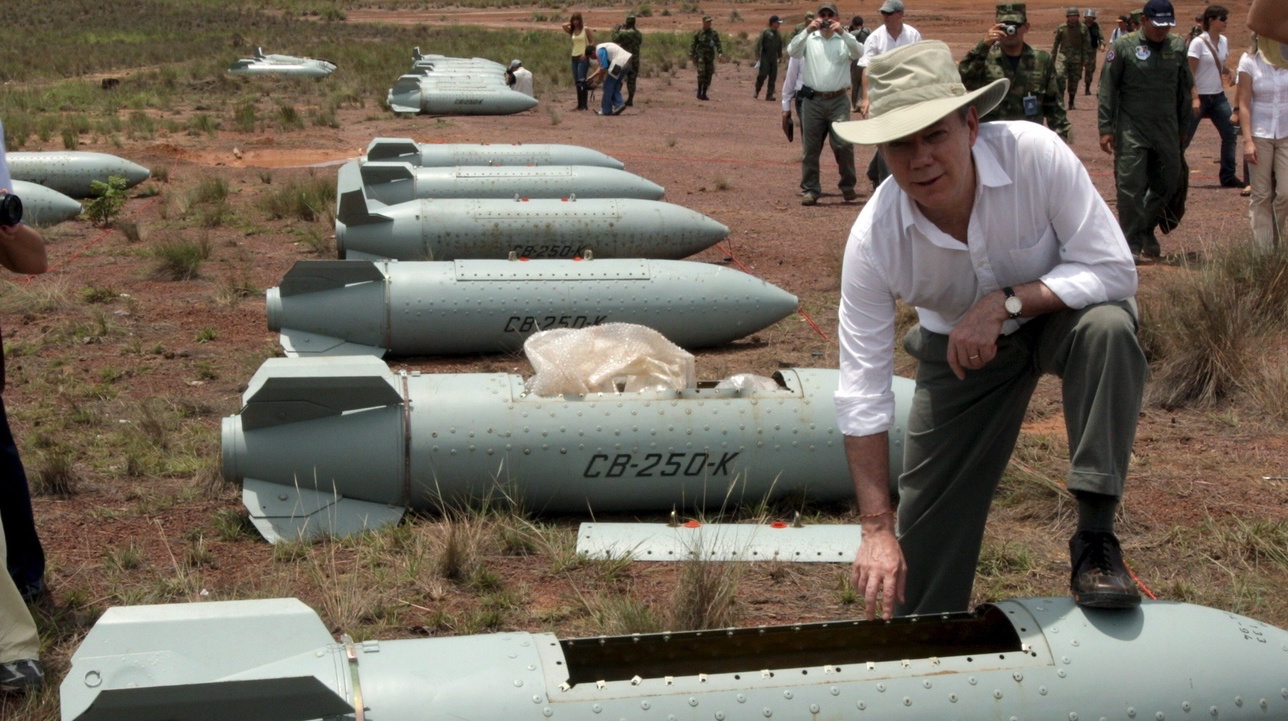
column 1010, row 28
column 10, row 210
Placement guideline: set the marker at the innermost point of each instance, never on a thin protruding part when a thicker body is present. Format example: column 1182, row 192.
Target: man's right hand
column 1107, row 143
column 995, row 34
column 788, row 127
column 880, row 573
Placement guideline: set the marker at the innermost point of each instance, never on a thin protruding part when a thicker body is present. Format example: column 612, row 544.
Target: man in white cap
column 995, row 233
column 893, row 33
column 519, row 78
column 826, row 50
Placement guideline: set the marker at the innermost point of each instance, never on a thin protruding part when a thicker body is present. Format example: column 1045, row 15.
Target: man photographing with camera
column 22, row 250
column 826, row 51
column 1034, row 92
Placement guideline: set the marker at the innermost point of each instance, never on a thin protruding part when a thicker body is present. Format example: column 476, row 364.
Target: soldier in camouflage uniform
column 1072, row 42
column 1097, row 42
column 1144, row 113
column 1034, row 93
column 630, row 40
column 704, row 51
column 769, row 50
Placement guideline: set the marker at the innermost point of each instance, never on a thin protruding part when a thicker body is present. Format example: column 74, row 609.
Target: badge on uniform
column 1109, row 56
column 1030, row 105
column 1142, row 53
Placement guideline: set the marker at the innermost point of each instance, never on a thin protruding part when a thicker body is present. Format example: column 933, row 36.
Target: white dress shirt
column 1269, row 97
column 792, row 81
column 1036, row 216
column 880, row 42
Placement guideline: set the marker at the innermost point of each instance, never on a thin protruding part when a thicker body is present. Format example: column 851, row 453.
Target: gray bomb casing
column 341, row 444
column 347, row 307
column 1034, row 659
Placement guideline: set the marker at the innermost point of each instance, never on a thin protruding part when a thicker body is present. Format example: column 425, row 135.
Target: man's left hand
column 973, row 341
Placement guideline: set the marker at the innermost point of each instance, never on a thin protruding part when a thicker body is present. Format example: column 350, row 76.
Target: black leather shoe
column 1100, row 578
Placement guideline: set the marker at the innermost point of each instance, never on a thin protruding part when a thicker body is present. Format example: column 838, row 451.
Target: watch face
column 1013, row 305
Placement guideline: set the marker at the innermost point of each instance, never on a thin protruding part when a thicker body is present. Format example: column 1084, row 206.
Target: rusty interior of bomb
column 987, row 630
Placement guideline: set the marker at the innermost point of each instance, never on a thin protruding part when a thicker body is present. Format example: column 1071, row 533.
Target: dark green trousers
column 961, row 434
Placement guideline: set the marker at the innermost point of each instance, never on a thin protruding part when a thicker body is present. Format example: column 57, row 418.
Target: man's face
column 825, row 19
column 1154, row 33
column 893, row 21
column 706, row 24
column 934, row 166
column 1124, row 25
column 1088, row 21
column 1071, row 21
column 775, row 24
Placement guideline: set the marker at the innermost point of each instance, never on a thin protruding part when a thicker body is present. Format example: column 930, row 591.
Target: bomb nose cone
column 134, row 173
column 273, row 302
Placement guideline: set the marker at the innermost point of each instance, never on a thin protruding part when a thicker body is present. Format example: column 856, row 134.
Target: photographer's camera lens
column 10, row 209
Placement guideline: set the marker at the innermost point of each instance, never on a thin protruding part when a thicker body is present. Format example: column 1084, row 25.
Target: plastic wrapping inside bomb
column 608, row 358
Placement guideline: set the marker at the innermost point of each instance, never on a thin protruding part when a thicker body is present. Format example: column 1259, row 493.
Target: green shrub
column 110, row 198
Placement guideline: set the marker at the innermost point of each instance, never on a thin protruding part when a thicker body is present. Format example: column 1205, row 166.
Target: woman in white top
column 1207, row 54
column 1263, row 117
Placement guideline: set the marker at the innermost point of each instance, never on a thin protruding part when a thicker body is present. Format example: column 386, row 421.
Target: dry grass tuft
column 1212, row 331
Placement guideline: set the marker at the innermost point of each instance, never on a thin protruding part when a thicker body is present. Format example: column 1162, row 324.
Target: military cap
column 706, row 18
column 1070, row 11
column 1090, row 13
column 1012, row 13
column 1136, row 16
column 774, row 19
column 1160, row 12
column 630, row 18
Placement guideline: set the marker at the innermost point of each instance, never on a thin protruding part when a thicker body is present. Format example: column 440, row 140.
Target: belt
column 831, row 94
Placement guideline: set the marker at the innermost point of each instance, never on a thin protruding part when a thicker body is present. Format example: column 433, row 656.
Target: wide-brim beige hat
column 1273, row 51
column 912, row 88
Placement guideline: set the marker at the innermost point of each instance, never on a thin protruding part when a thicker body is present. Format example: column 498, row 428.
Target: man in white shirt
column 893, row 33
column 1207, row 56
column 995, row 233
column 826, row 51
column 519, row 77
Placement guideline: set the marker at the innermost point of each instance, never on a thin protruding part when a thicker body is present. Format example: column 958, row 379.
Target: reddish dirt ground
column 726, row 158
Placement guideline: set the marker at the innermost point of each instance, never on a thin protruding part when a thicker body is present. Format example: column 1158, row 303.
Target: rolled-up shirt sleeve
column 1095, row 264
column 864, row 399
